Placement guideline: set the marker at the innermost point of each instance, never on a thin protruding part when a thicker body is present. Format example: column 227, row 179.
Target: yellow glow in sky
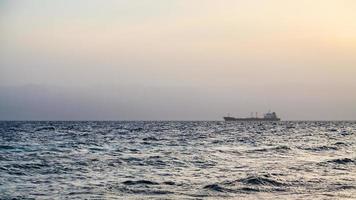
column 282, row 46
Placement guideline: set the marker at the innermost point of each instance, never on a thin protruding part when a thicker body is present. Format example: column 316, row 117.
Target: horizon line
column 196, row 120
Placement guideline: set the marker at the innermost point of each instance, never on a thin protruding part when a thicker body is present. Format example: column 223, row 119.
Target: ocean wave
column 341, row 144
column 6, row 147
column 217, row 188
column 27, row 166
column 149, row 192
column 281, row 149
column 342, row 161
column 322, row 148
column 46, row 128
column 151, row 138
column 261, row 180
column 333, row 130
column 140, row 182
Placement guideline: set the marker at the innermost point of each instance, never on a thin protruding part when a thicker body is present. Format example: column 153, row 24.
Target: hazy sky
column 177, row 59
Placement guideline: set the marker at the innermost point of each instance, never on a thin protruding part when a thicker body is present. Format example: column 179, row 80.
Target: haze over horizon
column 177, row 59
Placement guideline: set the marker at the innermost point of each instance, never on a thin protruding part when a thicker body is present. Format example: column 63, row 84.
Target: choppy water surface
column 177, row 160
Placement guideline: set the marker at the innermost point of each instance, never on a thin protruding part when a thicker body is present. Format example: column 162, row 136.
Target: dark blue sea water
column 177, row 160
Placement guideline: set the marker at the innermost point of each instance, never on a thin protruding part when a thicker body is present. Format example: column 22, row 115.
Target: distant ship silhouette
column 270, row 116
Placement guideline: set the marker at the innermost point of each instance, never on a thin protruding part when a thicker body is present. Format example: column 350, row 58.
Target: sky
column 177, row 59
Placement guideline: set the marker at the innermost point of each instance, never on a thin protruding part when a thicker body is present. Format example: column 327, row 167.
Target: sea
column 177, row 160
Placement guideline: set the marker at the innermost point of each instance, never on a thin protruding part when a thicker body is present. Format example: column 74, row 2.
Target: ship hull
column 250, row 119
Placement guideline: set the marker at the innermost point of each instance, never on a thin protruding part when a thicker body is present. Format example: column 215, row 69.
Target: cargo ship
column 270, row 116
